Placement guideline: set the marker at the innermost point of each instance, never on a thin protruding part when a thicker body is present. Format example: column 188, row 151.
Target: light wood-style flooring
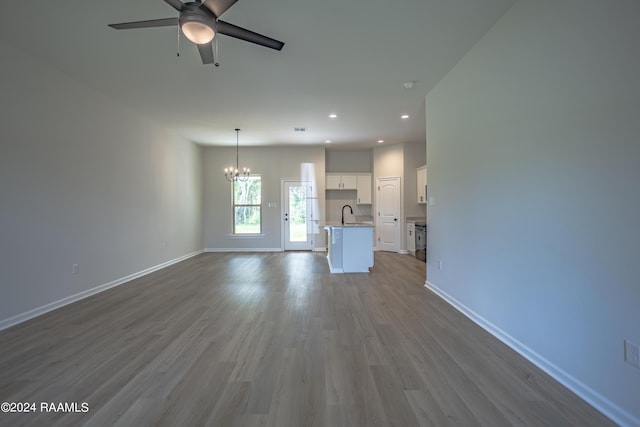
column 273, row 339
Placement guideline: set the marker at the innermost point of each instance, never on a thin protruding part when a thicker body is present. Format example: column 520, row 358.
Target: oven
column 421, row 241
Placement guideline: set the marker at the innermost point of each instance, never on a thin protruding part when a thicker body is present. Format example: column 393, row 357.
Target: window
column 247, row 206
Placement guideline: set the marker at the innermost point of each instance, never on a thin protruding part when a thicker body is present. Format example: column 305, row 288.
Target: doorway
column 387, row 218
column 297, row 215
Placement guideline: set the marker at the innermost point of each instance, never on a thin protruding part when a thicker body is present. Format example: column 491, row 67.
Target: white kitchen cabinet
column 411, row 237
column 421, row 174
column 363, row 190
column 336, row 181
column 349, row 182
column 344, row 181
column 333, row 182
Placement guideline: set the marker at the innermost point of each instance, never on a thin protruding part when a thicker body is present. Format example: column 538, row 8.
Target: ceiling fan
column 199, row 23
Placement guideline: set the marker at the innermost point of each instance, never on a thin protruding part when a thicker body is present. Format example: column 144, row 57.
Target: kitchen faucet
column 350, row 208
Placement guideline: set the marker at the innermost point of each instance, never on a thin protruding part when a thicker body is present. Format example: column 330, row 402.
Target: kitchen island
column 350, row 247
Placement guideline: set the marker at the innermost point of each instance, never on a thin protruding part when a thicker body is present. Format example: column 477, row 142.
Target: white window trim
column 233, row 226
column 246, row 236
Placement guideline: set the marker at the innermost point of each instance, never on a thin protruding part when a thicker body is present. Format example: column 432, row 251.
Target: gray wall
column 84, row 181
column 388, row 161
column 273, row 164
column 415, row 155
column 349, row 161
column 533, row 157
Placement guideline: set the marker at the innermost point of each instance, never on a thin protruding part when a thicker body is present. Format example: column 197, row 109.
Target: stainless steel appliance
column 421, row 241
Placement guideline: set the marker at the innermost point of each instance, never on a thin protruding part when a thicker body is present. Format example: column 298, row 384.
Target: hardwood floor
column 275, row 340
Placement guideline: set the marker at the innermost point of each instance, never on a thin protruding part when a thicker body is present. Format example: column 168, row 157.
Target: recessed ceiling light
column 333, row 116
column 409, row 85
column 404, row 116
column 380, row 141
column 327, row 142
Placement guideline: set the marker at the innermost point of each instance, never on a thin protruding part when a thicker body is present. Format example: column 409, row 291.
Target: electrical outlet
column 75, row 269
column 632, row 353
column 439, row 264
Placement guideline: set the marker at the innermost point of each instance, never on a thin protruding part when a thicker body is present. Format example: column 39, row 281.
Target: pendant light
column 234, row 174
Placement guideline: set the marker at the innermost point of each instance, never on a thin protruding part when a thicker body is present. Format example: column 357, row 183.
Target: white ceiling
column 349, row 57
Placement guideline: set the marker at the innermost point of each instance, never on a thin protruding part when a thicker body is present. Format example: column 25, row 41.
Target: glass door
column 297, row 215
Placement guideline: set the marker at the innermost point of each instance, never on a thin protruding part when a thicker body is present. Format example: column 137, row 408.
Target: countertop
column 415, row 219
column 337, row 224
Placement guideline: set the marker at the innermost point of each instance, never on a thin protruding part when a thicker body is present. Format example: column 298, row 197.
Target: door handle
column 395, row 219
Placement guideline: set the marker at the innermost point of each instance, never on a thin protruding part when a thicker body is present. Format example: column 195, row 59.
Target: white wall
column 273, row 164
column 533, row 156
column 84, row 181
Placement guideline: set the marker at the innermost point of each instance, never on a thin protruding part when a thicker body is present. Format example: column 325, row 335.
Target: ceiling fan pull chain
column 178, row 51
column 215, row 56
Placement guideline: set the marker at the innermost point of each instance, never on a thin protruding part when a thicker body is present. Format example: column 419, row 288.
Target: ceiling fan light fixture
column 198, row 22
column 197, row 28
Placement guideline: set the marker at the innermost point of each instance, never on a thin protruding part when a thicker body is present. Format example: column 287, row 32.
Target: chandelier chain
column 232, row 174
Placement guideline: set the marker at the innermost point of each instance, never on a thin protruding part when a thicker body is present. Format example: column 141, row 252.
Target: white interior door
column 297, row 215
column 388, row 214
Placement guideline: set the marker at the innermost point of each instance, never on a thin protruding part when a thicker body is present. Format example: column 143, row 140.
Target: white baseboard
column 403, row 251
column 23, row 317
column 333, row 269
column 255, row 250
column 243, row 250
column 595, row 399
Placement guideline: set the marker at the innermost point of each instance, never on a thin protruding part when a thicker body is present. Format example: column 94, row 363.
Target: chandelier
column 234, row 174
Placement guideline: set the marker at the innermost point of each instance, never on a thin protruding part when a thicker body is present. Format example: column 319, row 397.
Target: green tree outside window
column 247, row 206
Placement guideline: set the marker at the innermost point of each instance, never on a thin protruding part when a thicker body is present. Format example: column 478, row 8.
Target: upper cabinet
column 421, row 174
column 333, row 182
column 359, row 182
column 364, row 189
column 336, row 181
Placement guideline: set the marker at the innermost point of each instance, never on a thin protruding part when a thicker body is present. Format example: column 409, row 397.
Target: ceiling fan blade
column 176, row 4
column 146, row 24
column 248, row 35
column 218, row 7
column 206, row 53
